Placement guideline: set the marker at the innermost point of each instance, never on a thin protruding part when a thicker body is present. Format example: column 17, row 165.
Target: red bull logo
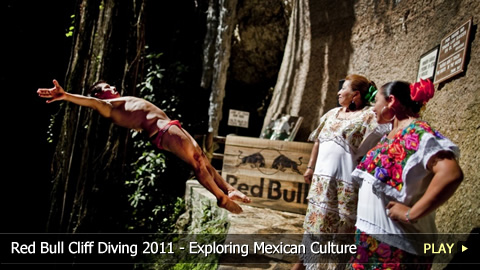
column 290, row 192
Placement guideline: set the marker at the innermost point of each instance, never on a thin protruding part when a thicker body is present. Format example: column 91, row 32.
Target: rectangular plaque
column 453, row 49
column 238, row 118
column 428, row 62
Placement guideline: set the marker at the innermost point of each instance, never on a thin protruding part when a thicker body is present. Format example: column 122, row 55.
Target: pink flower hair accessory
column 422, row 91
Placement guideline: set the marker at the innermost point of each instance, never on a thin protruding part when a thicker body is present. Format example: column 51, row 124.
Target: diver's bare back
column 136, row 113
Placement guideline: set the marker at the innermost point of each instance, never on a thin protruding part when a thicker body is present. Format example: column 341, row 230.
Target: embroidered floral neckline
column 387, row 160
column 352, row 115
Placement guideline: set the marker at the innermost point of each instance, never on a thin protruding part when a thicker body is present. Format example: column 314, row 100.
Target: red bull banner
column 269, row 171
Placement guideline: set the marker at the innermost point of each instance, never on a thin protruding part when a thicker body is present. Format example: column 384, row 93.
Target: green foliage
column 154, row 209
column 175, row 258
column 153, row 78
column 50, row 129
column 156, row 90
column 54, row 125
column 148, row 167
column 214, row 229
column 211, row 223
column 71, row 28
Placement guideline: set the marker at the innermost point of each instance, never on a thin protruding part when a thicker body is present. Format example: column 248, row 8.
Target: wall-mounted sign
column 238, row 118
column 428, row 62
column 453, row 49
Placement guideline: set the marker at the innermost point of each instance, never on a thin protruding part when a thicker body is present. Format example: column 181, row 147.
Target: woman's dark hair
column 361, row 84
column 401, row 91
column 95, row 88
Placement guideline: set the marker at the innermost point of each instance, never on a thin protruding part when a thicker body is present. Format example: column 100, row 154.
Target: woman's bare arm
column 447, row 177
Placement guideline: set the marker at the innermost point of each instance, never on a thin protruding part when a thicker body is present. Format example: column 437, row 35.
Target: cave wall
column 258, row 42
column 381, row 39
column 388, row 39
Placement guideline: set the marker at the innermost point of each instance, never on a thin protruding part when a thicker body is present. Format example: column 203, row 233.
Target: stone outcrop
column 252, row 220
column 201, row 203
column 259, row 35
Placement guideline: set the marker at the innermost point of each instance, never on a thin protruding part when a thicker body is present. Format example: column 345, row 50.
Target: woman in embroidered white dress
column 344, row 135
column 409, row 174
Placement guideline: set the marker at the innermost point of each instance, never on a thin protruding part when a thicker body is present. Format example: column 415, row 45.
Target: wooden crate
column 270, row 172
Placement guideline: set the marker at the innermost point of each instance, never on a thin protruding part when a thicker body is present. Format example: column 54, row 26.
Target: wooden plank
column 219, row 139
column 265, row 158
column 217, row 156
column 271, row 172
column 268, row 144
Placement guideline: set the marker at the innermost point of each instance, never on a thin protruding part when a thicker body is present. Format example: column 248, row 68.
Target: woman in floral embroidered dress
column 344, row 135
column 409, row 174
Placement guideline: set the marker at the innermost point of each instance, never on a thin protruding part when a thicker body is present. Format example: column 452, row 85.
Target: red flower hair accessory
column 422, row 91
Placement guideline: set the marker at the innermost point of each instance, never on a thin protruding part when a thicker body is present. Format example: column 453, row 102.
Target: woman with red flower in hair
column 409, row 174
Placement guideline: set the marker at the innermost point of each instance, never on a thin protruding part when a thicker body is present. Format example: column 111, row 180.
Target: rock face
column 271, row 223
column 384, row 40
column 258, row 43
column 259, row 40
column 251, row 222
column 388, row 40
column 202, row 214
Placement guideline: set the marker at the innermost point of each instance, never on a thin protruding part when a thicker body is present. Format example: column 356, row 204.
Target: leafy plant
column 71, row 28
column 213, row 229
column 148, row 167
column 155, row 206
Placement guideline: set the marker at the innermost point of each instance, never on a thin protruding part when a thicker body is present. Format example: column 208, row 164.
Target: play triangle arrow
column 464, row 248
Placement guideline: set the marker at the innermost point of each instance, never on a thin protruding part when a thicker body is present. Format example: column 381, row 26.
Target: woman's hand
column 308, row 175
column 397, row 212
column 447, row 176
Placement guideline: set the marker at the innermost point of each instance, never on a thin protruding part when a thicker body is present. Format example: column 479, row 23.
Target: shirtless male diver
column 139, row 114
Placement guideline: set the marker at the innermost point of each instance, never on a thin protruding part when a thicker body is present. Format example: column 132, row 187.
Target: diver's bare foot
column 236, row 195
column 230, row 205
